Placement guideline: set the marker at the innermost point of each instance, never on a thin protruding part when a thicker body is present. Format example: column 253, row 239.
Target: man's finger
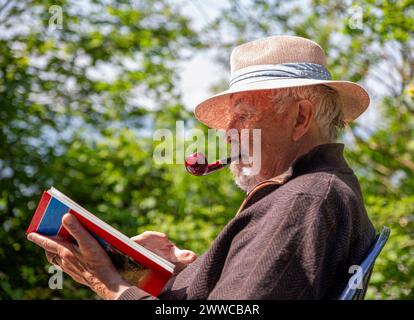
column 53, row 246
column 72, row 269
column 52, row 258
column 82, row 237
column 149, row 236
column 185, row 256
column 46, row 243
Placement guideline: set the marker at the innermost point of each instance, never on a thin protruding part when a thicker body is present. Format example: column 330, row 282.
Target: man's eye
column 237, row 103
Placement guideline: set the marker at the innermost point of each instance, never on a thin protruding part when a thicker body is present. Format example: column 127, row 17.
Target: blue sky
column 200, row 73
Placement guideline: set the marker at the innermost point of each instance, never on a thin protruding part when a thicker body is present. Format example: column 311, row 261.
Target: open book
column 138, row 265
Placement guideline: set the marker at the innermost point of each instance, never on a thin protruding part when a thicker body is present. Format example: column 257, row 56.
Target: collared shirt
column 294, row 237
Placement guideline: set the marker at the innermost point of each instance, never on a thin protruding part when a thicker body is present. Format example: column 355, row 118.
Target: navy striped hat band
column 284, row 70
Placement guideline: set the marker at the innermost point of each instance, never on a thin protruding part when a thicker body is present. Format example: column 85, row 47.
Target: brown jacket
column 294, row 237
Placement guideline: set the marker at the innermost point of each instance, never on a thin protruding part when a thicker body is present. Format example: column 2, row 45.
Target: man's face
column 256, row 110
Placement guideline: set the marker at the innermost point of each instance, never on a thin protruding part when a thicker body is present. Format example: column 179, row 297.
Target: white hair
column 328, row 114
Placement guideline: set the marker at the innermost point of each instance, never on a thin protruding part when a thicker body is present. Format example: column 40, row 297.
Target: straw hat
column 279, row 62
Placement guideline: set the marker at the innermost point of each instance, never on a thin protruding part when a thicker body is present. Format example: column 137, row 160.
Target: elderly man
column 303, row 222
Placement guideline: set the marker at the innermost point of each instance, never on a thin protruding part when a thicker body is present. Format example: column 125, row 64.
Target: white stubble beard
column 246, row 170
column 243, row 176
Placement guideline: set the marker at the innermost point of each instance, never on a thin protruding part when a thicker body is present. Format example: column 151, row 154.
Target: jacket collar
column 324, row 157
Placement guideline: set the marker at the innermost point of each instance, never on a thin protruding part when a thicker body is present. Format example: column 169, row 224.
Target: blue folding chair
column 352, row 292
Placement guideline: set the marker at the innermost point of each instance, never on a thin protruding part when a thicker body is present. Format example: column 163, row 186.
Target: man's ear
column 304, row 118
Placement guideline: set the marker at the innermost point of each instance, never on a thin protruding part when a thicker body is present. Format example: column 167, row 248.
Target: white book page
column 86, row 214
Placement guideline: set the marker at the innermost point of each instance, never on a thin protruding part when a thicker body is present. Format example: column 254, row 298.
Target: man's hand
column 86, row 262
column 158, row 243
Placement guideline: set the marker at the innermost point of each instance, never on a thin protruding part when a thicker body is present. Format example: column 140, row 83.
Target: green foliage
column 393, row 276
column 66, row 121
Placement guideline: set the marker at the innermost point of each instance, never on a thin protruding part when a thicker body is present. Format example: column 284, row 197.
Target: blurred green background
column 91, row 137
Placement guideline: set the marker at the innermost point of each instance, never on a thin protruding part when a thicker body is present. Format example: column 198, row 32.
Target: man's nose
column 232, row 135
column 231, row 124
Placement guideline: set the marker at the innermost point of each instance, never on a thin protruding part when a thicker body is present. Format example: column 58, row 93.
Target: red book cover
column 138, row 265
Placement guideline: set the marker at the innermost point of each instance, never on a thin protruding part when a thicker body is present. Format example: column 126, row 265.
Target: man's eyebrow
column 235, row 96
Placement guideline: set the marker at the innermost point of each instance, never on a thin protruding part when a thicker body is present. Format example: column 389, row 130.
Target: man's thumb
column 185, row 256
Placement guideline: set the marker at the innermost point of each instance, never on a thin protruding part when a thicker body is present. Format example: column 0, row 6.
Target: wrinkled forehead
column 249, row 101
column 236, row 108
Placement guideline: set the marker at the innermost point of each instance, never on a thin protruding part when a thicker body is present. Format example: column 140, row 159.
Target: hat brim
column 215, row 111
